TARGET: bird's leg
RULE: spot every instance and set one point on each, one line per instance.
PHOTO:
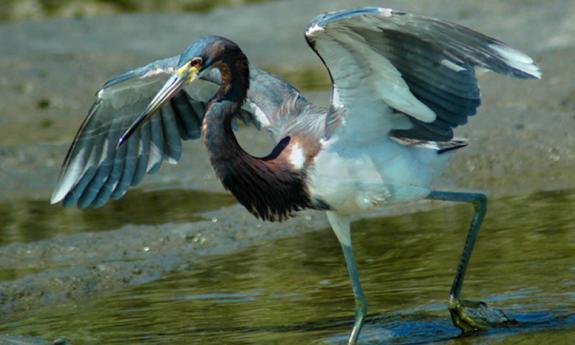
(469, 316)
(341, 226)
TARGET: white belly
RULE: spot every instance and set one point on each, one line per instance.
(355, 177)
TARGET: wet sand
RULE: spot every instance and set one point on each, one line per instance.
(521, 139)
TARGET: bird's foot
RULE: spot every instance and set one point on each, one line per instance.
(470, 316)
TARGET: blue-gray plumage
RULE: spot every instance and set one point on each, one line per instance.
(400, 84)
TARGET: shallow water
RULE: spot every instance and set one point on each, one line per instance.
(33, 220)
(295, 290)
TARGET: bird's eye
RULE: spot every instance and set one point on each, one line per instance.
(195, 62)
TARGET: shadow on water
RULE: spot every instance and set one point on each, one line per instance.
(295, 290)
(33, 220)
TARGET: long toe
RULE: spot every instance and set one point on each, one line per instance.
(470, 316)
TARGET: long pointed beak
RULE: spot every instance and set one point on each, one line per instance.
(170, 88)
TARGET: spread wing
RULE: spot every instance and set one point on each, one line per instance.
(418, 66)
(95, 169)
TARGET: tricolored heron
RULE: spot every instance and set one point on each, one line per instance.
(400, 84)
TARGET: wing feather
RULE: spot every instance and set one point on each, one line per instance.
(143, 155)
(171, 134)
(420, 66)
(96, 170)
(190, 114)
(129, 168)
(114, 175)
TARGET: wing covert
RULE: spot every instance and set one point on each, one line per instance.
(419, 66)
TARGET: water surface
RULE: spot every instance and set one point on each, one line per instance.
(295, 290)
(32, 220)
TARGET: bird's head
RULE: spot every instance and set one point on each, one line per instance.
(198, 58)
(209, 51)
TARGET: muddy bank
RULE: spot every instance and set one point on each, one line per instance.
(521, 140)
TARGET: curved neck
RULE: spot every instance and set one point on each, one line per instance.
(235, 79)
(217, 132)
(269, 188)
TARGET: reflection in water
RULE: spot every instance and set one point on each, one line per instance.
(295, 290)
(32, 220)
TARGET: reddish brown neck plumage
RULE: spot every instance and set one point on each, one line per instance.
(268, 187)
